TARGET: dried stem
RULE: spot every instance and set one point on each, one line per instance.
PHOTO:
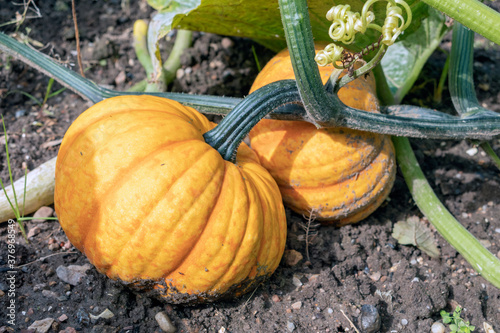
(77, 36)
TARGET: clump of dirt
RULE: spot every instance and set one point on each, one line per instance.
(347, 268)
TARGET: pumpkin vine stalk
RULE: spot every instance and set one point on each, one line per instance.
(231, 131)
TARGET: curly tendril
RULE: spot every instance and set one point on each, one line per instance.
(329, 55)
(394, 23)
(346, 24)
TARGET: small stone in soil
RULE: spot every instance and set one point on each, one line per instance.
(292, 257)
(42, 326)
(369, 319)
(33, 232)
(290, 326)
(297, 305)
(72, 274)
(165, 323)
(276, 298)
(54, 247)
(41, 213)
(82, 317)
(437, 327)
(62, 318)
(50, 294)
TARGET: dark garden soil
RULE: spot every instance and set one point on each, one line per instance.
(348, 267)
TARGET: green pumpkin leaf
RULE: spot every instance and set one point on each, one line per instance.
(404, 60)
(415, 232)
(260, 19)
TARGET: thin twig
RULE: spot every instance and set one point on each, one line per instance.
(43, 258)
(310, 232)
(249, 298)
(77, 36)
(350, 322)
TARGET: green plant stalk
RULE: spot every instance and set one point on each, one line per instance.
(183, 40)
(16, 208)
(473, 14)
(419, 64)
(438, 93)
(326, 110)
(229, 133)
(452, 231)
(256, 58)
(47, 91)
(383, 90)
(140, 46)
(491, 153)
(138, 87)
(418, 125)
(463, 94)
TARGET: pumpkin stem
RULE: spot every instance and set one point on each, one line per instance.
(230, 132)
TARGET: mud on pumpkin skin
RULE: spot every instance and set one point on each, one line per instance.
(339, 174)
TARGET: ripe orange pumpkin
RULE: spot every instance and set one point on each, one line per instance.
(151, 204)
(338, 174)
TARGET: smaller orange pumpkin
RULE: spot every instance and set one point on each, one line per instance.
(340, 175)
(150, 203)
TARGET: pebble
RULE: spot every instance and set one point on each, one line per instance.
(330, 310)
(33, 232)
(404, 322)
(227, 43)
(297, 305)
(82, 317)
(472, 151)
(296, 281)
(20, 113)
(106, 314)
(68, 330)
(54, 247)
(39, 286)
(62, 318)
(369, 319)
(276, 299)
(42, 326)
(165, 323)
(42, 212)
(437, 327)
(50, 294)
(292, 257)
(290, 326)
(72, 274)
(179, 74)
(120, 78)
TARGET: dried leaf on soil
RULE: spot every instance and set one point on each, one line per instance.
(415, 232)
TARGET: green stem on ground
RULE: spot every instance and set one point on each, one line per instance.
(452, 231)
(473, 14)
(419, 122)
(484, 262)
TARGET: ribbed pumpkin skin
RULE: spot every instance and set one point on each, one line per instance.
(151, 204)
(339, 174)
